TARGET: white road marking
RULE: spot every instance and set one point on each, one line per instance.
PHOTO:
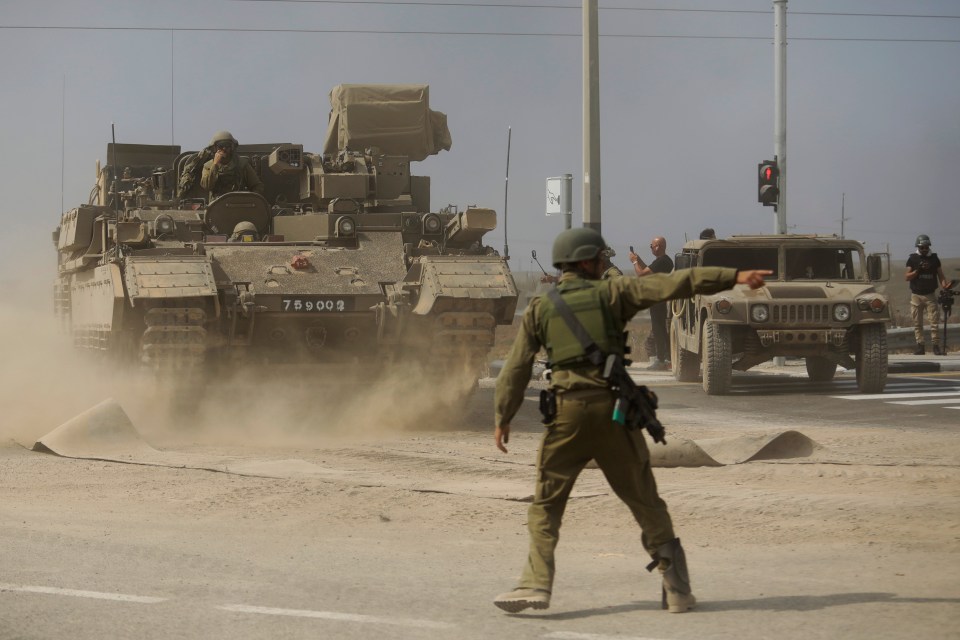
(99, 595)
(891, 396)
(918, 402)
(570, 635)
(334, 615)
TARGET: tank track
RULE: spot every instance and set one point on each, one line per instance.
(175, 338)
(459, 334)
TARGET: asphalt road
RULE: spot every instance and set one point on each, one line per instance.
(96, 550)
(931, 399)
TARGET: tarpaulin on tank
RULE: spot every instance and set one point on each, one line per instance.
(396, 118)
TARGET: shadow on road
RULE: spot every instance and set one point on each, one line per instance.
(773, 603)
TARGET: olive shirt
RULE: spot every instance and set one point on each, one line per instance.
(627, 296)
(235, 175)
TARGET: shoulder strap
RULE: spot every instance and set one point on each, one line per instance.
(590, 347)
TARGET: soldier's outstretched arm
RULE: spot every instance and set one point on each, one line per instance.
(754, 278)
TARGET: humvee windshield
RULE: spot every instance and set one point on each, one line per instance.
(822, 263)
(801, 263)
(743, 258)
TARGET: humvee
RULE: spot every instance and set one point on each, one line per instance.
(819, 304)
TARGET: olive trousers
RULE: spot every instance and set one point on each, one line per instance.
(582, 431)
(919, 302)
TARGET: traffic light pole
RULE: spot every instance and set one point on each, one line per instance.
(591, 116)
(780, 107)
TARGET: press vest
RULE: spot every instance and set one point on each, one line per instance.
(926, 267)
(588, 302)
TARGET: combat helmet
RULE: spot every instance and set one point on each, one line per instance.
(244, 228)
(574, 245)
(223, 136)
(923, 239)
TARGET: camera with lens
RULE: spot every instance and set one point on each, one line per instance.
(945, 297)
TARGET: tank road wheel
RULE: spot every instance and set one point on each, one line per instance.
(686, 364)
(872, 358)
(717, 371)
(820, 369)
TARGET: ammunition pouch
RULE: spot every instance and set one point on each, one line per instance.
(548, 405)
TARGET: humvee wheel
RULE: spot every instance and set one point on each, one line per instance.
(820, 369)
(686, 364)
(717, 372)
(872, 358)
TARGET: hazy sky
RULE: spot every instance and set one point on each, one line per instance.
(686, 102)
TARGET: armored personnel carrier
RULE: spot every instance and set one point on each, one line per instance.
(340, 261)
(820, 304)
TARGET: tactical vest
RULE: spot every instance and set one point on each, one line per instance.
(926, 281)
(231, 177)
(592, 310)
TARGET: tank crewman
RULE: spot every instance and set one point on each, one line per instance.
(708, 234)
(227, 171)
(583, 428)
(245, 232)
(924, 273)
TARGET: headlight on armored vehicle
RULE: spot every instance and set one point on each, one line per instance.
(345, 226)
(723, 305)
(432, 224)
(841, 312)
(759, 313)
(875, 304)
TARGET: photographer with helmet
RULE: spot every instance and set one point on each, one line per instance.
(924, 273)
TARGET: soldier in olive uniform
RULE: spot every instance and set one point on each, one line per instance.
(227, 171)
(583, 428)
(610, 270)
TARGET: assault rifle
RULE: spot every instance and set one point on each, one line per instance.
(636, 405)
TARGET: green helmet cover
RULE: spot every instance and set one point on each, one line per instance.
(923, 239)
(574, 245)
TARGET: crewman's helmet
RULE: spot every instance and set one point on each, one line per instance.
(574, 245)
(244, 232)
(221, 137)
(923, 240)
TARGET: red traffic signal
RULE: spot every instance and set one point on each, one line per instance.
(768, 188)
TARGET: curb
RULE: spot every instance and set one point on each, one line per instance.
(913, 367)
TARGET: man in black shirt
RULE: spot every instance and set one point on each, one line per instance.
(924, 273)
(658, 312)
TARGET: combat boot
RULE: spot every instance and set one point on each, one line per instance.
(937, 351)
(676, 594)
(522, 598)
(919, 351)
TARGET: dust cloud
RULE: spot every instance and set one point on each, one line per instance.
(45, 382)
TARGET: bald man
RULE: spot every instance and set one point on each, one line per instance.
(658, 312)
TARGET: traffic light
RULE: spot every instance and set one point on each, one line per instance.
(768, 190)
